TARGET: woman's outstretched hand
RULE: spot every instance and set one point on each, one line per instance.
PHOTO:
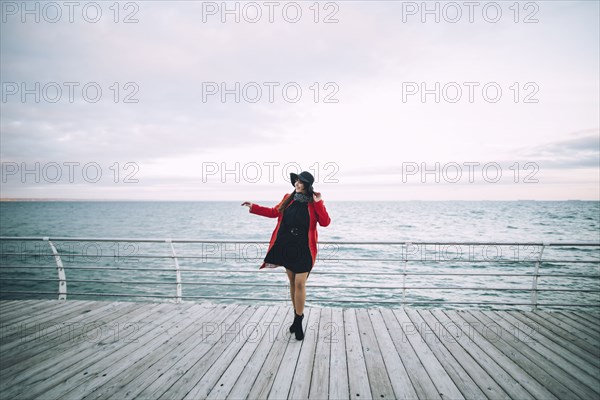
(316, 196)
(247, 204)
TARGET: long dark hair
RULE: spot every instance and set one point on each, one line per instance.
(309, 192)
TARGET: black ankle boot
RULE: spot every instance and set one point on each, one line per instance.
(298, 326)
(293, 325)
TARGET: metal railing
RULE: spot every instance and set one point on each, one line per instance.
(446, 258)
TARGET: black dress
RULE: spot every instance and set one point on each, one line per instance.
(291, 245)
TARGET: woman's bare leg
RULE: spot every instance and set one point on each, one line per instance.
(300, 292)
(291, 278)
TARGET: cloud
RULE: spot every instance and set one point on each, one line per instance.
(580, 149)
(164, 59)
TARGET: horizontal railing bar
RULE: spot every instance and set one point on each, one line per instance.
(90, 281)
(407, 302)
(528, 289)
(312, 286)
(432, 252)
(320, 300)
(250, 259)
(155, 240)
(313, 272)
(94, 294)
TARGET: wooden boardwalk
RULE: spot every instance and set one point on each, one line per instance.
(126, 350)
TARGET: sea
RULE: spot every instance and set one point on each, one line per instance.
(442, 254)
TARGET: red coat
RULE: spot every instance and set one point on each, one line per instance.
(316, 213)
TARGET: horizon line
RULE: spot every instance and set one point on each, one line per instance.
(58, 199)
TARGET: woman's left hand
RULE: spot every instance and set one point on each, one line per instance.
(316, 196)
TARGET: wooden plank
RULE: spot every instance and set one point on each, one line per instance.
(392, 346)
(580, 324)
(30, 331)
(557, 334)
(578, 368)
(591, 343)
(556, 367)
(400, 380)
(357, 369)
(211, 377)
(529, 331)
(338, 367)
(590, 317)
(73, 355)
(22, 307)
(266, 376)
(591, 322)
(235, 372)
(319, 385)
(17, 325)
(129, 359)
(580, 328)
(164, 374)
(38, 322)
(460, 377)
(285, 373)
(273, 333)
(146, 369)
(590, 314)
(592, 325)
(480, 368)
(541, 384)
(442, 381)
(45, 376)
(498, 366)
(379, 380)
(421, 381)
(43, 309)
(591, 329)
(8, 306)
(191, 376)
(47, 352)
(41, 343)
(13, 325)
(303, 373)
(41, 313)
(8, 303)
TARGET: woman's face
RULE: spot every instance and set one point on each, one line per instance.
(299, 186)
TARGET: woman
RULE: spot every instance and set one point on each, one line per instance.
(294, 241)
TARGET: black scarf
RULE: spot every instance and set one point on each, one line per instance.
(301, 197)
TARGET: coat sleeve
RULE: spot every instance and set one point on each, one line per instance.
(322, 215)
(266, 211)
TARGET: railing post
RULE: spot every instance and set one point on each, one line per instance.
(177, 272)
(62, 277)
(536, 275)
(407, 244)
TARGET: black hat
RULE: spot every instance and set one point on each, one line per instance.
(304, 176)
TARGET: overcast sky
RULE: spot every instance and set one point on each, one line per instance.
(377, 99)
